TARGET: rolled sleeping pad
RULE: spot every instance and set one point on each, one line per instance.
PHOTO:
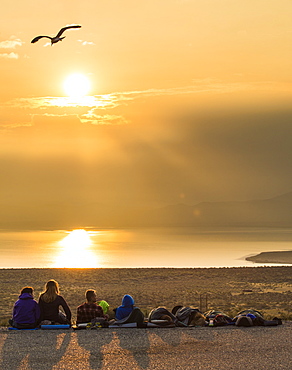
(64, 326)
(11, 328)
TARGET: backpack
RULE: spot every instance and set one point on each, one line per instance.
(97, 322)
(244, 321)
(162, 317)
(221, 320)
(255, 316)
(250, 311)
(187, 315)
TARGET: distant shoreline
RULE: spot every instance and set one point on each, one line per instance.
(257, 259)
(272, 257)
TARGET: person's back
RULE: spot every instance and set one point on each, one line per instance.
(126, 308)
(26, 311)
(50, 310)
(49, 303)
(128, 313)
(90, 309)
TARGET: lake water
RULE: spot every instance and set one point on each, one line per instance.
(160, 247)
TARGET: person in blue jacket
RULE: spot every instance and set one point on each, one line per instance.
(126, 308)
(26, 311)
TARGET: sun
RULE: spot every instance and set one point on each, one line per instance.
(76, 240)
(76, 251)
(76, 85)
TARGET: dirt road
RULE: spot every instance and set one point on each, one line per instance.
(159, 348)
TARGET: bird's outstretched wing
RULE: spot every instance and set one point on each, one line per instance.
(38, 38)
(66, 28)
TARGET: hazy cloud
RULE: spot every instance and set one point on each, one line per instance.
(198, 106)
(112, 100)
(11, 44)
(89, 108)
(85, 43)
(107, 119)
(97, 101)
(9, 55)
(89, 158)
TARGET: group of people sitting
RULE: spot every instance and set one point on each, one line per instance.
(29, 314)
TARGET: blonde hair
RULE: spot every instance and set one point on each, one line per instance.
(51, 291)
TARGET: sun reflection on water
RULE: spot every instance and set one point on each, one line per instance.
(76, 251)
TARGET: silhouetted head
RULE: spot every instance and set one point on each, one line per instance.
(27, 289)
(127, 300)
(90, 295)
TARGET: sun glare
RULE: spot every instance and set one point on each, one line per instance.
(76, 252)
(77, 85)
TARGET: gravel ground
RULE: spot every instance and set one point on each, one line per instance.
(158, 348)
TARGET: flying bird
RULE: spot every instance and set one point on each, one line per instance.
(57, 37)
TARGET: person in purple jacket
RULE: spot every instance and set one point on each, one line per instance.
(26, 311)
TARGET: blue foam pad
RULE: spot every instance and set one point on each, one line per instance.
(55, 326)
(11, 328)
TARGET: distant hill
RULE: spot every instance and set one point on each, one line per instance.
(272, 257)
(275, 212)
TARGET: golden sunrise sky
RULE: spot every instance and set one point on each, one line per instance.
(190, 101)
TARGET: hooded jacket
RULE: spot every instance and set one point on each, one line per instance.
(126, 308)
(26, 310)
